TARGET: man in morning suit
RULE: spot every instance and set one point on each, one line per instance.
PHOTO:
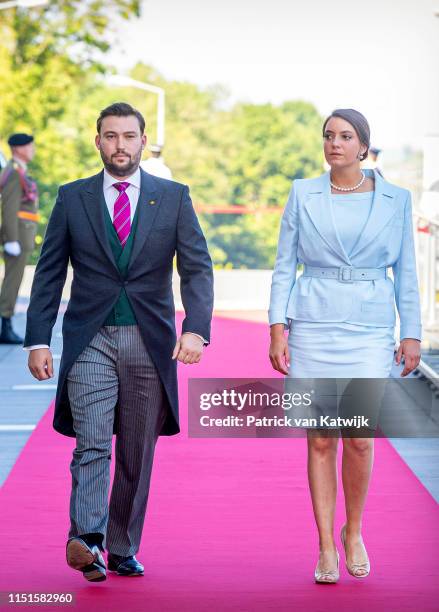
(120, 230)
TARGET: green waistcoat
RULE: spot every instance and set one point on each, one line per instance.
(122, 313)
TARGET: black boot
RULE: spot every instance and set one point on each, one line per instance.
(7, 335)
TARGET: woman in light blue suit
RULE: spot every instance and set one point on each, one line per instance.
(347, 227)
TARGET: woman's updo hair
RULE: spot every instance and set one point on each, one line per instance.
(358, 122)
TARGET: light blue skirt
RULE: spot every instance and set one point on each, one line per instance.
(340, 350)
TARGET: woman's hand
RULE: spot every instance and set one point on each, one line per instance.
(411, 350)
(279, 353)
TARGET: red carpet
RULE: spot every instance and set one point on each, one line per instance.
(229, 523)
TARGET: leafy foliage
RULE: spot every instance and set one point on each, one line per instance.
(53, 84)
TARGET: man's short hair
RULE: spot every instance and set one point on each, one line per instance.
(120, 109)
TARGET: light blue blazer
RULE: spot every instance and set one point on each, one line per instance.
(308, 235)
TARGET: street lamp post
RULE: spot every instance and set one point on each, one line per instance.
(124, 81)
(22, 4)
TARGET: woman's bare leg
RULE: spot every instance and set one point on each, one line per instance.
(356, 472)
(322, 478)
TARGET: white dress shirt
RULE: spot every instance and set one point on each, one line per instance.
(111, 194)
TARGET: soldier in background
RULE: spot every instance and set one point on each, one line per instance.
(156, 164)
(19, 206)
(372, 160)
(3, 161)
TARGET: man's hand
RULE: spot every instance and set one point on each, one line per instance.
(411, 350)
(279, 353)
(188, 349)
(40, 363)
(12, 248)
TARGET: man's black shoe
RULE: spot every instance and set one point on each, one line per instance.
(86, 558)
(7, 335)
(125, 566)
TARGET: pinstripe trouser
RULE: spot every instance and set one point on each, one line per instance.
(114, 369)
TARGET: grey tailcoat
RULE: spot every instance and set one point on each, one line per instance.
(167, 224)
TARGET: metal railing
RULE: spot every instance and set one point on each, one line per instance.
(427, 250)
(427, 243)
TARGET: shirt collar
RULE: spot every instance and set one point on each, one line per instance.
(133, 180)
(21, 163)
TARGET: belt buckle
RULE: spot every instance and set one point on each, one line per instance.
(345, 274)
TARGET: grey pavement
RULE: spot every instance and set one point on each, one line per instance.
(23, 399)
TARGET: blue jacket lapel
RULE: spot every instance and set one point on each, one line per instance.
(384, 206)
(319, 208)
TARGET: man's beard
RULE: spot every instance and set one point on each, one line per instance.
(126, 169)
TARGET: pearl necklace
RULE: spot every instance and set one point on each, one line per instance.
(350, 188)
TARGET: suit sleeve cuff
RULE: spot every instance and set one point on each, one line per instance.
(35, 346)
(411, 331)
(205, 342)
(277, 317)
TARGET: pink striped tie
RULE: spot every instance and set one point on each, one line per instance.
(122, 213)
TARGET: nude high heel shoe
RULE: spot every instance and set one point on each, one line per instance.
(353, 568)
(327, 576)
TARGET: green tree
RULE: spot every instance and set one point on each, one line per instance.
(50, 57)
(53, 83)
(246, 156)
(273, 145)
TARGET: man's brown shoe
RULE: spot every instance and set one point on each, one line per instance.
(87, 559)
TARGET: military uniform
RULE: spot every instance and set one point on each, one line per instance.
(155, 165)
(19, 207)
